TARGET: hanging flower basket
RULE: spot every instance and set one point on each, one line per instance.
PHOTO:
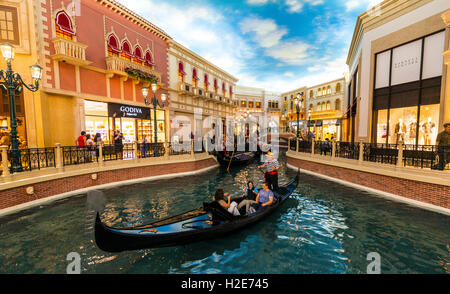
(140, 75)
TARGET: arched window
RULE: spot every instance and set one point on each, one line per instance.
(215, 86)
(338, 104)
(181, 72)
(64, 27)
(319, 107)
(329, 90)
(148, 59)
(328, 105)
(126, 50)
(324, 91)
(194, 77)
(319, 92)
(231, 92)
(206, 82)
(338, 87)
(138, 57)
(311, 94)
(113, 45)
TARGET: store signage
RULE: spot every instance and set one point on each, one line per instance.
(311, 123)
(406, 61)
(383, 63)
(131, 111)
(319, 123)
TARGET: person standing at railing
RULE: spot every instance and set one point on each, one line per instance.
(443, 146)
(144, 147)
(90, 148)
(97, 141)
(81, 141)
(118, 143)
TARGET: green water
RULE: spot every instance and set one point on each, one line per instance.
(323, 228)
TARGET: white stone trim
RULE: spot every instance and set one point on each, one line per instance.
(383, 194)
(47, 200)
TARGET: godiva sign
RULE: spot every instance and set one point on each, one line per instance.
(131, 111)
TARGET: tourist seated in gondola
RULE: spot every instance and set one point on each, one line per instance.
(264, 198)
(231, 207)
(251, 191)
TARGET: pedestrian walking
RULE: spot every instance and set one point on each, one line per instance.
(443, 147)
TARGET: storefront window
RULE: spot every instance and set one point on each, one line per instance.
(429, 120)
(382, 126)
(403, 125)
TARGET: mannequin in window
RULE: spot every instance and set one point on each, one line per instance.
(412, 131)
(400, 131)
(427, 130)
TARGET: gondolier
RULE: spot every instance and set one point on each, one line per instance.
(271, 175)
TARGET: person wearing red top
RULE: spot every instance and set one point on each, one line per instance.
(81, 141)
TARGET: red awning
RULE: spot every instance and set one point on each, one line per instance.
(113, 44)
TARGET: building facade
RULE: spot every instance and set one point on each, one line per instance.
(289, 111)
(96, 57)
(198, 90)
(325, 104)
(19, 28)
(398, 88)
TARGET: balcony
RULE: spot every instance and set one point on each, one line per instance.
(117, 65)
(185, 89)
(70, 51)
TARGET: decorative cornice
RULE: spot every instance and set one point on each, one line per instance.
(135, 18)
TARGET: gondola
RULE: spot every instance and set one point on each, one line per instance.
(206, 222)
(238, 158)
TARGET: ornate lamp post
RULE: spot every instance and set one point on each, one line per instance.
(13, 83)
(309, 119)
(155, 104)
(298, 102)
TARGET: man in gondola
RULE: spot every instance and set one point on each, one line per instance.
(271, 175)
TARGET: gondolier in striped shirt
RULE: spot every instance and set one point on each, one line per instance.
(271, 175)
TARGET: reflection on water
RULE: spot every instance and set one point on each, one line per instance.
(323, 228)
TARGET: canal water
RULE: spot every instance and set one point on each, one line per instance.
(323, 228)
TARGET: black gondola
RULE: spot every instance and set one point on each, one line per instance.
(207, 222)
(238, 158)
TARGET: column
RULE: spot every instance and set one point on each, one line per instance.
(400, 155)
(100, 154)
(58, 158)
(5, 168)
(445, 107)
(361, 152)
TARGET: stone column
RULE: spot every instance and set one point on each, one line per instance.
(5, 169)
(312, 146)
(296, 148)
(192, 148)
(333, 150)
(100, 155)
(445, 107)
(361, 152)
(400, 155)
(135, 152)
(58, 158)
(166, 150)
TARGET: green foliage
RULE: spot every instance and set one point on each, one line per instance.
(137, 74)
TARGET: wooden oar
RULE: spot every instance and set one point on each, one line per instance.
(229, 163)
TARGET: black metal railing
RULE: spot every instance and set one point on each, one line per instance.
(305, 146)
(73, 155)
(180, 148)
(323, 148)
(349, 150)
(427, 156)
(380, 153)
(146, 150)
(35, 158)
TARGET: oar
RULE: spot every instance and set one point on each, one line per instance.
(229, 163)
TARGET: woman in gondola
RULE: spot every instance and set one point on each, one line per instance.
(219, 197)
(251, 191)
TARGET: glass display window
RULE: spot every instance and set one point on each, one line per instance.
(428, 124)
(402, 125)
(382, 126)
(97, 124)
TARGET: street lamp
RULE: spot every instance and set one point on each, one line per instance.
(298, 103)
(309, 120)
(14, 84)
(155, 104)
